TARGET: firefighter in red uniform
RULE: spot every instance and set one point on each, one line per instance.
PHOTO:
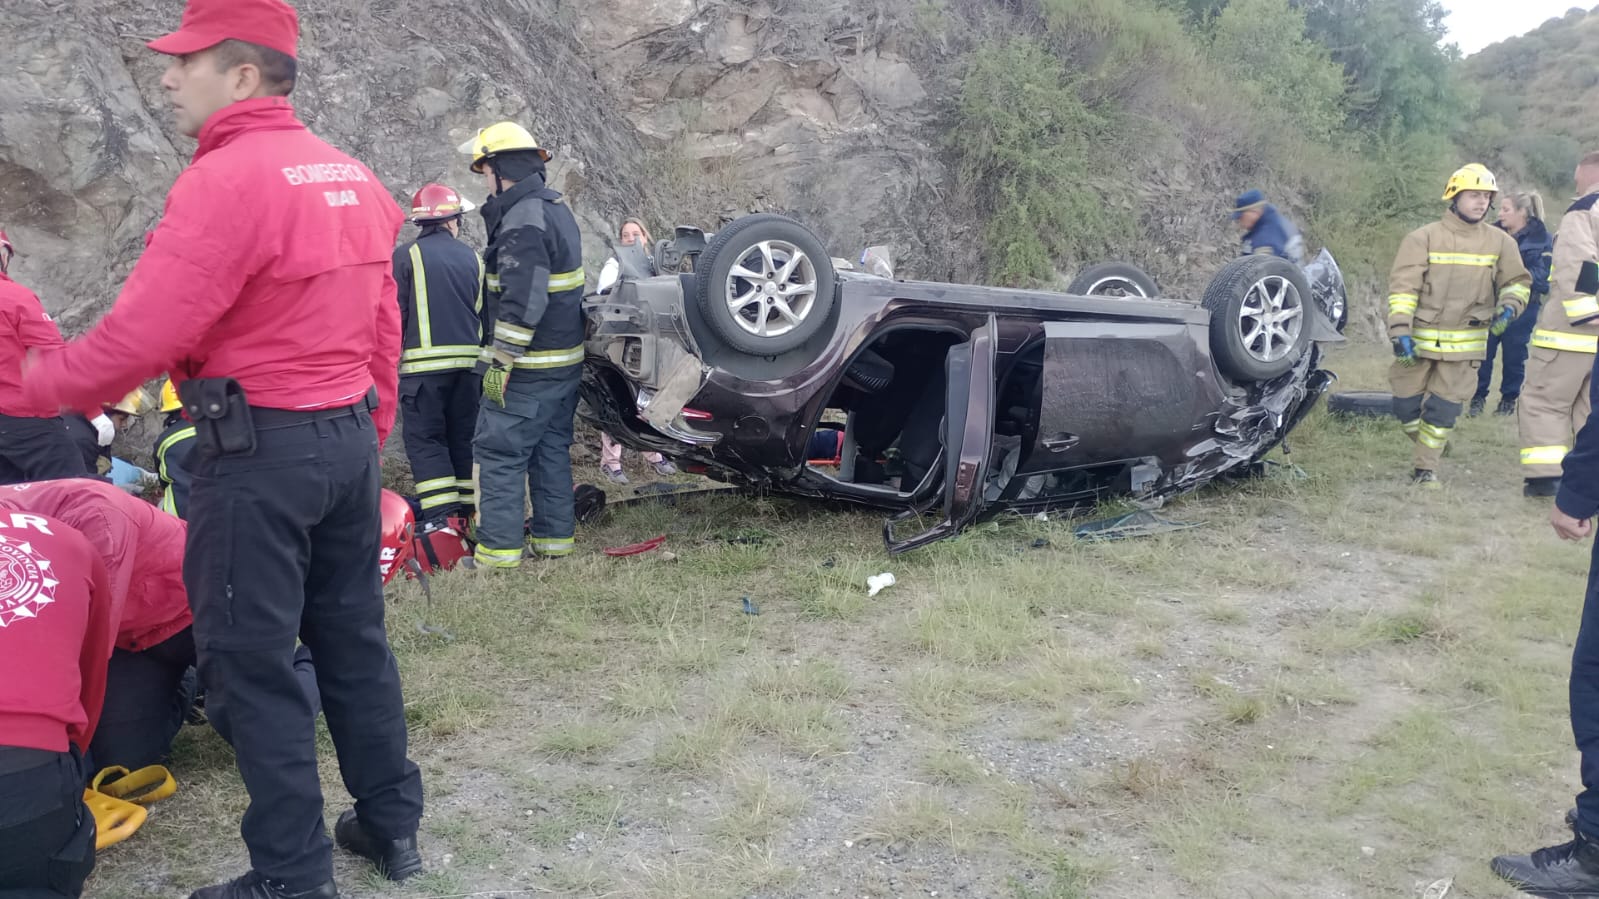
(32, 447)
(440, 282)
(281, 331)
(55, 635)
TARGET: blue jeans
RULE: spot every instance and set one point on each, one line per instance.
(1514, 342)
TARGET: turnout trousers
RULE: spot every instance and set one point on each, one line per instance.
(284, 543)
(525, 450)
(1553, 408)
(1428, 397)
(440, 416)
(38, 449)
(46, 832)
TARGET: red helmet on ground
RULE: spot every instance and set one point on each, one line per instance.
(436, 202)
(442, 545)
(6, 249)
(399, 534)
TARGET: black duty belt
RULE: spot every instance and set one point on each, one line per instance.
(14, 759)
(271, 419)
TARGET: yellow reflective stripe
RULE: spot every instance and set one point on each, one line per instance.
(1565, 341)
(1483, 260)
(427, 366)
(1519, 291)
(432, 484)
(551, 358)
(1438, 341)
(419, 290)
(169, 502)
(1543, 455)
(178, 436)
(566, 280)
(440, 499)
(470, 351)
(1581, 307)
(492, 279)
(552, 546)
(497, 558)
(465, 487)
(512, 333)
(1432, 435)
(1402, 304)
(1410, 427)
(482, 284)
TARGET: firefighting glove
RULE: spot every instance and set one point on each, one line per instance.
(104, 430)
(1405, 350)
(1502, 319)
(499, 371)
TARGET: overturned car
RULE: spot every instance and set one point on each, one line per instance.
(772, 364)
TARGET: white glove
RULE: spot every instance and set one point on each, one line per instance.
(104, 429)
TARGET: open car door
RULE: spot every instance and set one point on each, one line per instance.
(968, 437)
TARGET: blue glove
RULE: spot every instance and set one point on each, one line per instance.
(1405, 350)
(1502, 319)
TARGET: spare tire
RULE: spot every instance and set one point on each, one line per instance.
(1361, 403)
(765, 285)
(1257, 309)
(1113, 279)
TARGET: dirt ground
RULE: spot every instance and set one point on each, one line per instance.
(1338, 686)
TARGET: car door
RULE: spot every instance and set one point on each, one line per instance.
(1114, 391)
(968, 436)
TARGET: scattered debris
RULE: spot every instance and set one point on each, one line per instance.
(636, 548)
(750, 608)
(1438, 889)
(1040, 543)
(1368, 852)
(877, 583)
(668, 556)
(829, 562)
(1134, 524)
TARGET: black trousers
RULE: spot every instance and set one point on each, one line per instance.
(284, 543)
(46, 832)
(440, 417)
(38, 449)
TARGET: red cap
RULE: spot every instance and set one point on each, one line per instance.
(206, 23)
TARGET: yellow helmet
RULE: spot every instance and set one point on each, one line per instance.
(169, 398)
(1474, 176)
(132, 404)
(500, 137)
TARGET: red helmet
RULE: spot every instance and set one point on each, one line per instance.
(440, 546)
(6, 249)
(399, 534)
(435, 202)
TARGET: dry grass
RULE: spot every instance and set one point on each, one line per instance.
(1331, 663)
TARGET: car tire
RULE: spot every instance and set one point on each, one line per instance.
(1361, 403)
(1258, 308)
(1114, 279)
(751, 284)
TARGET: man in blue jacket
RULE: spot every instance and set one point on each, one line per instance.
(1572, 869)
(1265, 229)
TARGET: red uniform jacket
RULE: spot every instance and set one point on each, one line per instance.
(23, 326)
(55, 634)
(142, 548)
(271, 265)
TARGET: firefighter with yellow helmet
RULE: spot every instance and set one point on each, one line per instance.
(1560, 365)
(1453, 282)
(172, 452)
(533, 359)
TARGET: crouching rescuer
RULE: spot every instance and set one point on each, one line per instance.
(1442, 293)
(533, 362)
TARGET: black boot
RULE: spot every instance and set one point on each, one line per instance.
(1541, 487)
(1507, 406)
(254, 886)
(1475, 409)
(1567, 871)
(395, 859)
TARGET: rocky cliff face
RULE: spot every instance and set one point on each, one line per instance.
(688, 111)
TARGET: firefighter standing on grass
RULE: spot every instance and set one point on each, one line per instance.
(533, 362)
(267, 291)
(441, 302)
(1442, 292)
(1555, 404)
